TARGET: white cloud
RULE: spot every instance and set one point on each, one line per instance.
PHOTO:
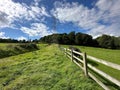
(102, 19)
(2, 35)
(36, 2)
(110, 8)
(37, 29)
(21, 38)
(12, 11)
(3, 20)
(104, 4)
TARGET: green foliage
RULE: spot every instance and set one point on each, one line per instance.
(110, 42)
(69, 39)
(12, 41)
(29, 46)
(71, 36)
(14, 49)
(65, 39)
(45, 69)
(8, 40)
(104, 41)
(116, 42)
(78, 39)
(83, 39)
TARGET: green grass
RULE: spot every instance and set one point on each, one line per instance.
(10, 49)
(45, 69)
(105, 54)
(4, 46)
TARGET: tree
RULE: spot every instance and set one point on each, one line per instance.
(35, 41)
(60, 39)
(87, 40)
(78, 39)
(71, 36)
(83, 39)
(65, 39)
(106, 41)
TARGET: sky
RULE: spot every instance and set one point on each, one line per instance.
(33, 19)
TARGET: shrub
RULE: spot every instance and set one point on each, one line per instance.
(11, 50)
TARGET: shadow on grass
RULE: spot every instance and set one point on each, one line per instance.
(92, 62)
(105, 81)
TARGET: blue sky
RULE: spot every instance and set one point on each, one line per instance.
(23, 19)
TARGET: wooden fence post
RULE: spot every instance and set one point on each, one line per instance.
(85, 64)
(71, 54)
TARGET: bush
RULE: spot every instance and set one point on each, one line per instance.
(29, 46)
(11, 50)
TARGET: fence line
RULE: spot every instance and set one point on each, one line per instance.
(85, 65)
(113, 65)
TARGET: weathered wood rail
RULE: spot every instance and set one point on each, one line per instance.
(85, 65)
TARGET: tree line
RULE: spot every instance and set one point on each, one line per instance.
(17, 41)
(12, 41)
(72, 38)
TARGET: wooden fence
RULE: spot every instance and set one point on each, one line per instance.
(84, 65)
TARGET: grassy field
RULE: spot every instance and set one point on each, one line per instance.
(105, 54)
(44, 69)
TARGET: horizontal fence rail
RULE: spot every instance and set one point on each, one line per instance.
(84, 65)
(112, 65)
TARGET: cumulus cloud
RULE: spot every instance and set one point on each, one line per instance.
(2, 35)
(21, 38)
(110, 10)
(3, 20)
(104, 18)
(11, 11)
(37, 29)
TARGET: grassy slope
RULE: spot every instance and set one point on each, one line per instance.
(3, 45)
(10, 49)
(105, 54)
(45, 69)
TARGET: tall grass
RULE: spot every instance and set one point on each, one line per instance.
(45, 69)
(15, 49)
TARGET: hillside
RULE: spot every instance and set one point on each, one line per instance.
(10, 49)
(106, 55)
(45, 69)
